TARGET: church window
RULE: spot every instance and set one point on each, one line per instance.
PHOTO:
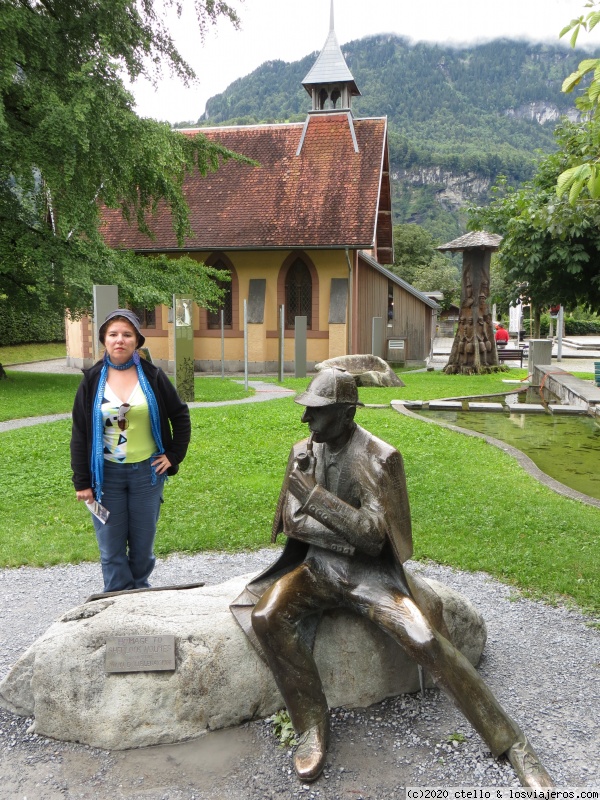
(146, 316)
(298, 294)
(213, 318)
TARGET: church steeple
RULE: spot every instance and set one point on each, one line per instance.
(330, 82)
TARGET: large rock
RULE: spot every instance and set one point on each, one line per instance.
(368, 370)
(219, 679)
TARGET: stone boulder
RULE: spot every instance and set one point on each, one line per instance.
(219, 680)
(368, 370)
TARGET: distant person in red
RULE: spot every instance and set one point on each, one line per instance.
(502, 336)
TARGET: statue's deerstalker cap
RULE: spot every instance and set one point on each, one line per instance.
(331, 386)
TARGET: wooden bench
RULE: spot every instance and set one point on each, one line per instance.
(510, 354)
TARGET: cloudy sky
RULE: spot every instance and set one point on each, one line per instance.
(290, 29)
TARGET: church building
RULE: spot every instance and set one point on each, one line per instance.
(309, 228)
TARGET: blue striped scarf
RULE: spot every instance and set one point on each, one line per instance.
(97, 460)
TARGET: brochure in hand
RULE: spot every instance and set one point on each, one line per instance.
(98, 511)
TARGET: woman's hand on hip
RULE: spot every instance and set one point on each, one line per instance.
(161, 464)
(87, 495)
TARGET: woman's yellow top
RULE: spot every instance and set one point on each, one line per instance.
(135, 443)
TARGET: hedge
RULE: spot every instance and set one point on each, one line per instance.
(20, 327)
(573, 327)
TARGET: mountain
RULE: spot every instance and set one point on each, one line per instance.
(458, 116)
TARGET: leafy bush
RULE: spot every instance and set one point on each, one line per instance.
(573, 326)
(19, 327)
(581, 327)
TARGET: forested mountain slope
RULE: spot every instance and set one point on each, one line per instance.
(457, 117)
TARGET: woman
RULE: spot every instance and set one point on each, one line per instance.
(130, 430)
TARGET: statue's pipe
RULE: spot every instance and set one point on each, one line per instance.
(304, 459)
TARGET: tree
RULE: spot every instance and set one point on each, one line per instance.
(417, 261)
(70, 143)
(550, 244)
(584, 174)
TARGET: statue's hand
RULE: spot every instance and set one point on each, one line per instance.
(301, 483)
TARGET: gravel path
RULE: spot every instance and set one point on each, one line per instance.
(541, 662)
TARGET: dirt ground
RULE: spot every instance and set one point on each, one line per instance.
(374, 754)
(541, 662)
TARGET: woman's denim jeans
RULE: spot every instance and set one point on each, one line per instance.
(126, 542)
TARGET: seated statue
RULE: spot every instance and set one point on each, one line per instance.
(344, 510)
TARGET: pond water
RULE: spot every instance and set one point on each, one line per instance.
(565, 447)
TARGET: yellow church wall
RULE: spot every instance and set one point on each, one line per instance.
(263, 341)
(78, 337)
(338, 340)
(324, 341)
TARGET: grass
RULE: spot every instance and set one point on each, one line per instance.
(586, 376)
(34, 394)
(429, 386)
(225, 494)
(26, 353)
(31, 394)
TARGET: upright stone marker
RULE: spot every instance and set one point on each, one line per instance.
(106, 299)
(281, 342)
(540, 352)
(184, 347)
(377, 337)
(300, 347)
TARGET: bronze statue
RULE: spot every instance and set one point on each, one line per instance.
(344, 508)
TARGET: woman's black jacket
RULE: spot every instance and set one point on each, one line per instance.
(175, 426)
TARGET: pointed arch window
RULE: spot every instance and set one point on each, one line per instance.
(213, 318)
(298, 294)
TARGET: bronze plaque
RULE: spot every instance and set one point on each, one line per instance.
(140, 653)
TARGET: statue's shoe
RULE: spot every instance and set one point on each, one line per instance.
(310, 755)
(527, 765)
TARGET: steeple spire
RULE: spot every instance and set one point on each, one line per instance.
(330, 83)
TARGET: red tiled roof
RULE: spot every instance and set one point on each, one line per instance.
(328, 196)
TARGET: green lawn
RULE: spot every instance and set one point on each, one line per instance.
(26, 353)
(423, 385)
(225, 494)
(31, 394)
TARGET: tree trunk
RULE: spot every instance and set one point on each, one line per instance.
(537, 319)
(474, 347)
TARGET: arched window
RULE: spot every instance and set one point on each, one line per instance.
(335, 96)
(323, 99)
(213, 318)
(146, 316)
(298, 294)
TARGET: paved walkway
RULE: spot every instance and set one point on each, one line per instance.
(576, 356)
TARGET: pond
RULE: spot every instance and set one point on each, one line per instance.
(565, 447)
